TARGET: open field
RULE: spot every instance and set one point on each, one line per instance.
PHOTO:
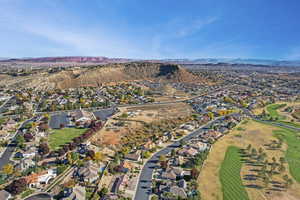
(230, 178)
(131, 120)
(258, 135)
(62, 136)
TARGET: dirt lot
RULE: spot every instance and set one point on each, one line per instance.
(136, 117)
(257, 135)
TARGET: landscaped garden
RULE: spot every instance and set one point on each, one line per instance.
(60, 137)
(232, 186)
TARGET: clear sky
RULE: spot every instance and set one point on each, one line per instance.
(268, 29)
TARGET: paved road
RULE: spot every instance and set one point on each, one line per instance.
(279, 124)
(5, 158)
(249, 114)
(3, 106)
(40, 196)
(143, 191)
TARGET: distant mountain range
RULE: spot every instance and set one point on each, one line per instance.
(71, 59)
(236, 61)
(105, 60)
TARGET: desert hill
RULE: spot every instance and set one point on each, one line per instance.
(111, 73)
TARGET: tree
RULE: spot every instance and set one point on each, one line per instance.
(253, 153)
(173, 152)
(289, 182)
(260, 150)
(28, 137)
(8, 169)
(17, 186)
(282, 160)
(70, 159)
(266, 181)
(182, 143)
(281, 168)
(103, 192)
(61, 152)
(194, 173)
(164, 164)
(43, 127)
(249, 148)
(20, 140)
(44, 148)
(90, 154)
(285, 177)
(98, 157)
(146, 154)
(70, 184)
(154, 197)
(210, 115)
(162, 158)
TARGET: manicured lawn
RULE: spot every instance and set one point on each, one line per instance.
(229, 174)
(272, 110)
(62, 136)
(292, 155)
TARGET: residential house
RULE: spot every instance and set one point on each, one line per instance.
(89, 172)
(187, 151)
(10, 125)
(82, 117)
(76, 193)
(37, 180)
(182, 184)
(135, 156)
(169, 174)
(177, 191)
(26, 163)
(149, 145)
(200, 146)
(178, 160)
(30, 152)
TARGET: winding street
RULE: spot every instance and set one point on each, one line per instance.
(143, 190)
(5, 158)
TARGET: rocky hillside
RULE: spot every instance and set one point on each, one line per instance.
(122, 72)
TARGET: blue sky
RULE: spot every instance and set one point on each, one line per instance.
(263, 29)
